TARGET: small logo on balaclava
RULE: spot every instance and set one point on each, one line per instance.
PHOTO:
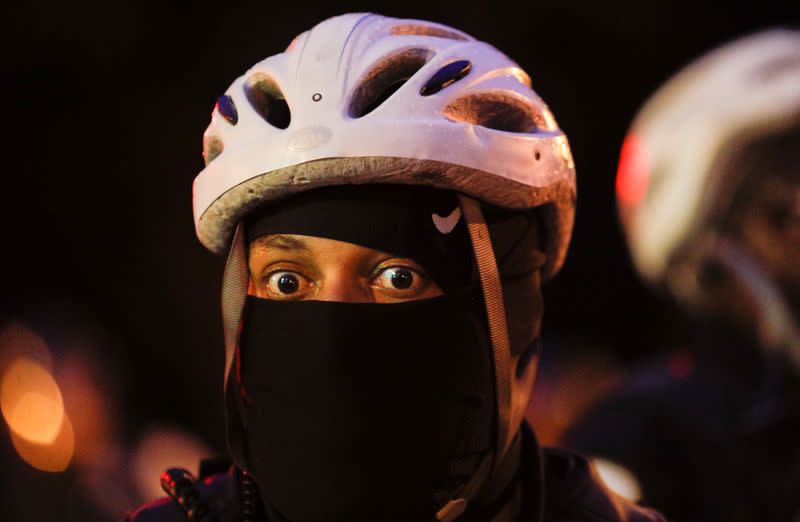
(445, 225)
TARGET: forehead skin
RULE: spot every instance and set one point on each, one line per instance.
(280, 242)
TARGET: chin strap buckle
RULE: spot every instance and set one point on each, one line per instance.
(452, 510)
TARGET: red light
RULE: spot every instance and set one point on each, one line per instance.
(633, 174)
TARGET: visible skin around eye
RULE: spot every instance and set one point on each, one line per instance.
(290, 267)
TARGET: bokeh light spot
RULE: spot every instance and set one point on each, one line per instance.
(618, 479)
(54, 456)
(633, 174)
(31, 402)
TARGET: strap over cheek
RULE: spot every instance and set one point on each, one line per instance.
(235, 281)
(492, 464)
(234, 292)
(496, 315)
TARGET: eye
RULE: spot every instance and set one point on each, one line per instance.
(287, 285)
(399, 278)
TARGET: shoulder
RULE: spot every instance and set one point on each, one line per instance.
(574, 493)
(217, 492)
(666, 398)
(661, 404)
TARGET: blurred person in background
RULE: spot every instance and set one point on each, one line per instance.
(709, 196)
(390, 193)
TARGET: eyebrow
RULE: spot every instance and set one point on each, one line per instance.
(282, 242)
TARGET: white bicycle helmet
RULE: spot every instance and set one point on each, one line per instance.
(363, 98)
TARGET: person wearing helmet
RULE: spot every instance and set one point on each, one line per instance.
(390, 194)
(709, 197)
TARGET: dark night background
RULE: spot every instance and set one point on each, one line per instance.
(104, 109)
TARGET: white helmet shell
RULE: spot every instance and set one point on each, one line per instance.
(670, 175)
(363, 98)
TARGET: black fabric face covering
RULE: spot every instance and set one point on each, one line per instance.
(358, 412)
(365, 412)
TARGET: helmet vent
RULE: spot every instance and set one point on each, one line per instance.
(212, 147)
(385, 79)
(446, 76)
(496, 111)
(267, 99)
(227, 109)
(425, 30)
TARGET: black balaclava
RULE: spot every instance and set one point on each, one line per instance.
(361, 411)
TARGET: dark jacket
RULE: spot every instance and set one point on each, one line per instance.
(710, 431)
(568, 492)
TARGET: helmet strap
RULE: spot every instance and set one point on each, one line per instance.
(489, 275)
(234, 291)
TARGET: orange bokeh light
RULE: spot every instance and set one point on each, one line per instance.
(54, 456)
(31, 402)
